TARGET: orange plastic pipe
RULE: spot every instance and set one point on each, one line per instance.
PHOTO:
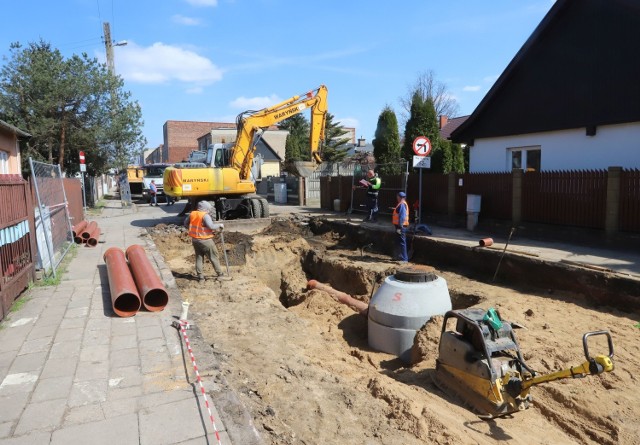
(94, 237)
(486, 242)
(78, 228)
(154, 295)
(125, 299)
(88, 230)
(359, 306)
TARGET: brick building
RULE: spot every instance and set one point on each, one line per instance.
(155, 157)
(181, 137)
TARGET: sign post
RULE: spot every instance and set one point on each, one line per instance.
(83, 168)
(422, 148)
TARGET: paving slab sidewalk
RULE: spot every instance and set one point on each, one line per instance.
(71, 372)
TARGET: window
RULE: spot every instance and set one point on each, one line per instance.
(516, 159)
(533, 160)
(4, 162)
(528, 158)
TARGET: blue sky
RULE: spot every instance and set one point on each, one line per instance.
(208, 60)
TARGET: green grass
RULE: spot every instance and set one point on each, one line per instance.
(637, 325)
(97, 209)
(19, 303)
(62, 268)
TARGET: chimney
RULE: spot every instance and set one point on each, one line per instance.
(362, 142)
(443, 121)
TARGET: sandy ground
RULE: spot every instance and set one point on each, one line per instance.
(301, 364)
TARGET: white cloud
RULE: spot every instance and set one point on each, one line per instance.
(160, 63)
(202, 2)
(471, 88)
(194, 90)
(492, 78)
(254, 103)
(183, 20)
(348, 122)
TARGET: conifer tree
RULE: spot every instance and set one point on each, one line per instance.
(386, 144)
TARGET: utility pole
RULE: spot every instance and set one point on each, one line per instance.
(108, 45)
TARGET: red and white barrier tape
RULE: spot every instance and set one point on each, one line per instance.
(183, 323)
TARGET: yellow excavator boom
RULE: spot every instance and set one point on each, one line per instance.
(251, 122)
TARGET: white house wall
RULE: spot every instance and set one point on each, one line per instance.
(613, 145)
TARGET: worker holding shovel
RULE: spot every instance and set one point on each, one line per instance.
(202, 230)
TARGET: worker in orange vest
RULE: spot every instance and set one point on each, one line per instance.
(202, 230)
(400, 219)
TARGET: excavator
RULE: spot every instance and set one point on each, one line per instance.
(225, 177)
(480, 363)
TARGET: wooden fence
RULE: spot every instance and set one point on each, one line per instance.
(17, 239)
(629, 201)
(496, 190)
(606, 199)
(569, 198)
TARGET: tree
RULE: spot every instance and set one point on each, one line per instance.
(421, 123)
(386, 144)
(428, 87)
(69, 105)
(335, 145)
(459, 165)
(297, 145)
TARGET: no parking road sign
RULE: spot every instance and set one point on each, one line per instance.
(422, 146)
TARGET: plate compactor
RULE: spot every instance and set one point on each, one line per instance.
(480, 362)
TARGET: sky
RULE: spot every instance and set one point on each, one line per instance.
(208, 60)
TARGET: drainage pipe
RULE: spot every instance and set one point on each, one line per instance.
(359, 306)
(88, 230)
(125, 299)
(154, 295)
(94, 237)
(78, 228)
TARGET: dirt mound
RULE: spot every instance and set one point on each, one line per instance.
(425, 344)
(287, 227)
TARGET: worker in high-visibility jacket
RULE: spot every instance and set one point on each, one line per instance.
(202, 230)
(400, 219)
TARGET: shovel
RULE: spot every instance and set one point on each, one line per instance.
(224, 251)
(513, 229)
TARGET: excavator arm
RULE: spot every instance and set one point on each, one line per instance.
(250, 122)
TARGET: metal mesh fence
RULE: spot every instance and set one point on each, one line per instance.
(394, 181)
(53, 225)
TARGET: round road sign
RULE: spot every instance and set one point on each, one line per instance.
(422, 146)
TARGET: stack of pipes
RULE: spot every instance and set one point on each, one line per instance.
(87, 233)
(133, 284)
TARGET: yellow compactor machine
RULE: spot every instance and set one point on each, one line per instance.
(479, 362)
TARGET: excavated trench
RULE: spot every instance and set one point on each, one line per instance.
(300, 361)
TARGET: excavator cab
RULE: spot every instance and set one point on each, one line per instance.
(220, 153)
